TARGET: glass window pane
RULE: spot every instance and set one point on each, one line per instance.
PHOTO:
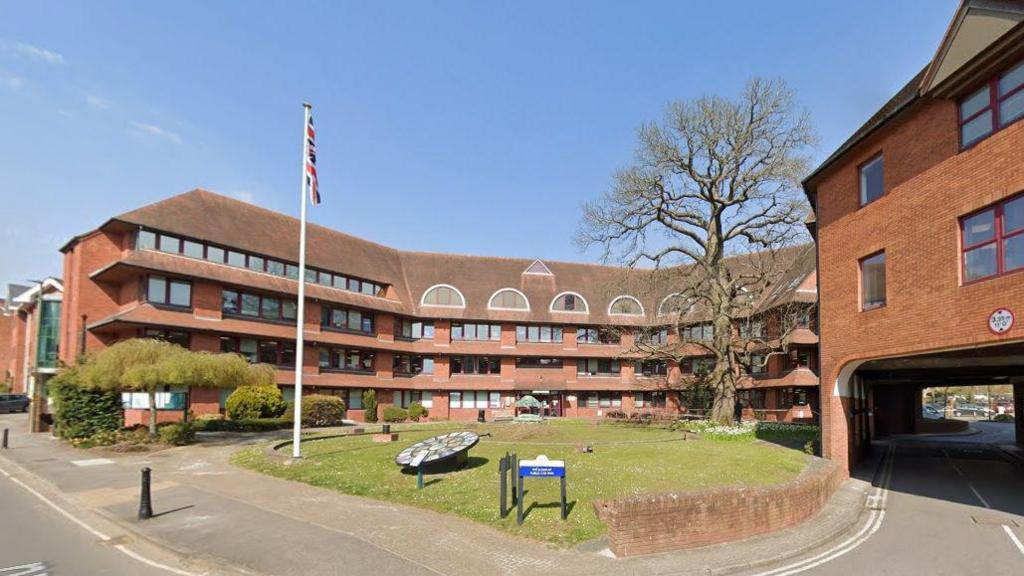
(496, 332)
(873, 281)
(291, 271)
(256, 263)
(428, 330)
(170, 244)
(980, 262)
(236, 259)
(145, 240)
(276, 268)
(157, 290)
(871, 185)
(353, 284)
(1013, 253)
(1013, 215)
(428, 366)
(980, 228)
(229, 301)
(268, 352)
(975, 103)
(247, 347)
(355, 399)
(368, 289)
(455, 399)
(271, 308)
(325, 279)
(250, 304)
(340, 282)
(520, 333)
(1011, 79)
(367, 323)
(311, 276)
(288, 309)
(193, 249)
(214, 254)
(1012, 108)
(556, 334)
(181, 294)
(355, 320)
(976, 129)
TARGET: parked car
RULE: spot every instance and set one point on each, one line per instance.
(931, 413)
(14, 403)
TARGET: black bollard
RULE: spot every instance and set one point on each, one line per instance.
(519, 498)
(145, 502)
(565, 506)
(514, 464)
(5, 439)
(502, 489)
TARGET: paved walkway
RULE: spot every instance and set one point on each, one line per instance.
(211, 512)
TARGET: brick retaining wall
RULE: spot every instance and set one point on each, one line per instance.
(662, 522)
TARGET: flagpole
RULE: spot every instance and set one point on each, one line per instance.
(301, 312)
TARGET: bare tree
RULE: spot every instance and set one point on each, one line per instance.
(713, 200)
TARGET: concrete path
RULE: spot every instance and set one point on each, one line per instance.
(208, 510)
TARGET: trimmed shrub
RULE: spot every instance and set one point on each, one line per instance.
(254, 425)
(177, 434)
(370, 405)
(417, 411)
(1003, 418)
(322, 410)
(395, 414)
(83, 412)
(249, 402)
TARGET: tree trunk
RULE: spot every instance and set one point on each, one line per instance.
(152, 414)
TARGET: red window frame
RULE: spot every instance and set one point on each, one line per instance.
(999, 237)
(994, 100)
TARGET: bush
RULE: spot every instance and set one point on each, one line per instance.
(395, 414)
(1003, 418)
(417, 411)
(249, 402)
(253, 425)
(178, 434)
(322, 410)
(370, 405)
(83, 412)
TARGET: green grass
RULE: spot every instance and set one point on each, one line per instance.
(626, 460)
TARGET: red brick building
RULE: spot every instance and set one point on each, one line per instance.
(456, 333)
(920, 234)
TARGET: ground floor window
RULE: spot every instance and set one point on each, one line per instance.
(175, 400)
(355, 399)
(604, 399)
(752, 399)
(425, 398)
(654, 399)
(474, 399)
(790, 397)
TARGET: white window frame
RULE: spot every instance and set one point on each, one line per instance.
(491, 306)
(626, 297)
(586, 305)
(423, 298)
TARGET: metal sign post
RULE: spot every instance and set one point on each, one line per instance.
(541, 467)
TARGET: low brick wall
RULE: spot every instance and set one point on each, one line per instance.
(662, 522)
(942, 426)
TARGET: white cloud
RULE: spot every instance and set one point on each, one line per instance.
(13, 82)
(245, 196)
(97, 102)
(155, 130)
(38, 53)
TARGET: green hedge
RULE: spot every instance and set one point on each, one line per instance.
(395, 414)
(322, 410)
(417, 411)
(177, 434)
(249, 425)
(83, 412)
(249, 402)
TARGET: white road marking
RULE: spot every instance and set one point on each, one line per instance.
(979, 496)
(120, 547)
(1013, 537)
(874, 523)
(93, 462)
(33, 569)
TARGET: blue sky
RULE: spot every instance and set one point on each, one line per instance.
(470, 127)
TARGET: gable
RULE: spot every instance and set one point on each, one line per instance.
(975, 27)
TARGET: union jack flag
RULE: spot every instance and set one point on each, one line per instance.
(311, 181)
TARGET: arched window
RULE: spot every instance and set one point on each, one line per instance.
(570, 302)
(443, 295)
(626, 305)
(508, 299)
(674, 304)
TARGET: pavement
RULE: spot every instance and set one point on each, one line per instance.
(213, 518)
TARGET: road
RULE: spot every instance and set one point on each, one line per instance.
(39, 540)
(953, 507)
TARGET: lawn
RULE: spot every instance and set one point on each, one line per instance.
(626, 460)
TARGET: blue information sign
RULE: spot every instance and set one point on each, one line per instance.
(545, 471)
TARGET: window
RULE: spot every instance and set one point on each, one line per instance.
(596, 336)
(414, 329)
(443, 295)
(604, 399)
(145, 240)
(793, 397)
(476, 331)
(800, 358)
(654, 337)
(346, 319)
(410, 365)
(751, 328)
(993, 240)
(508, 299)
(757, 364)
(538, 362)
(871, 181)
(698, 333)
(476, 365)
(699, 366)
(649, 399)
(355, 399)
(872, 281)
(996, 105)
(193, 249)
(752, 398)
(569, 302)
(650, 368)
(214, 254)
(172, 336)
(236, 259)
(164, 400)
(169, 244)
(257, 306)
(474, 399)
(348, 359)
(425, 398)
(674, 304)
(626, 305)
(538, 333)
(598, 367)
(170, 292)
(265, 351)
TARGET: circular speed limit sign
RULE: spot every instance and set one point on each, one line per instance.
(1000, 321)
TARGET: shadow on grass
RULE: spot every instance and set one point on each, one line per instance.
(568, 507)
(442, 468)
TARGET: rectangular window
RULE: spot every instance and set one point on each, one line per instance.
(289, 308)
(410, 365)
(276, 268)
(598, 367)
(270, 309)
(757, 364)
(871, 181)
(455, 399)
(161, 290)
(604, 399)
(145, 240)
(654, 399)
(993, 240)
(475, 365)
(347, 319)
(236, 259)
(291, 271)
(250, 305)
(698, 333)
(997, 104)
(538, 362)
(355, 399)
(193, 249)
(255, 263)
(650, 368)
(476, 331)
(414, 330)
(214, 254)
(543, 334)
(872, 281)
(169, 244)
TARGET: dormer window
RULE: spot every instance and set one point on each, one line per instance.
(996, 105)
(569, 302)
